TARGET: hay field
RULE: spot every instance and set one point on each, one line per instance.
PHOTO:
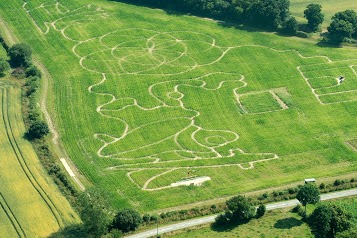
(30, 205)
(143, 99)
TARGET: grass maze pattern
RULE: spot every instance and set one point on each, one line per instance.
(177, 66)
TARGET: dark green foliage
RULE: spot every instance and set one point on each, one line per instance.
(20, 55)
(314, 16)
(261, 210)
(93, 208)
(290, 26)
(127, 220)
(328, 220)
(240, 208)
(261, 13)
(320, 220)
(4, 66)
(37, 130)
(343, 25)
(268, 13)
(33, 71)
(221, 219)
(308, 194)
(322, 186)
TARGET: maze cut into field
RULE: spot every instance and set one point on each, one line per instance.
(142, 101)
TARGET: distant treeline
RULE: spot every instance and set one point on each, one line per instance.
(260, 13)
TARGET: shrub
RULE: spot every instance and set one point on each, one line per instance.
(261, 210)
(20, 55)
(337, 182)
(322, 186)
(297, 209)
(33, 71)
(38, 130)
(4, 65)
(126, 220)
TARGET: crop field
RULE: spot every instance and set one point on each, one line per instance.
(29, 205)
(143, 99)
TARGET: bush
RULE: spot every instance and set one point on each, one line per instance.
(302, 34)
(38, 130)
(221, 219)
(126, 220)
(20, 55)
(337, 182)
(146, 218)
(33, 71)
(292, 190)
(297, 209)
(4, 66)
(322, 186)
(261, 210)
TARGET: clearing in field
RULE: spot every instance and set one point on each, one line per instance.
(144, 100)
(29, 206)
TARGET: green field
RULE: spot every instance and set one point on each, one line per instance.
(143, 99)
(329, 8)
(30, 205)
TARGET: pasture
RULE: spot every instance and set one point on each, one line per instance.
(30, 205)
(143, 99)
(329, 8)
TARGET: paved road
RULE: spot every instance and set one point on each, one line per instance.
(210, 219)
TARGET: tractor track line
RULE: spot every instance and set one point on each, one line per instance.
(11, 216)
(23, 164)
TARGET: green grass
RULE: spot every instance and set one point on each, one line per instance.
(136, 89)
(277, 223)
(329, 8)
(280, 223)
(30, 205)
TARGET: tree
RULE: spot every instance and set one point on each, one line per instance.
(339, 29)
(261, 210)
(38, 129)
(328, 220)
(20, 55)
(308, 194)
(314, 16)
(126, 220)
(267, 13)
(94, 211)
(240, 208)
(320, 220)
(4, 65)
(340, 220)
(290, 26)
(348, 16)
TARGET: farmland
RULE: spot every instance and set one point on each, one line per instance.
(30, 206)
(142, 99)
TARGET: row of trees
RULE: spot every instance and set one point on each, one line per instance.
(272, 14)
(261, 13)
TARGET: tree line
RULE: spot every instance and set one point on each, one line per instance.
(268, 14)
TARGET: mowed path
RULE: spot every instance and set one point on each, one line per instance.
(30, 206)
(210, 219)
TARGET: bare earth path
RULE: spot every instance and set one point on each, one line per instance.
(210, 219)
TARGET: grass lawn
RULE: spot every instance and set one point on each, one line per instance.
(280, 223)
(142, 99)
